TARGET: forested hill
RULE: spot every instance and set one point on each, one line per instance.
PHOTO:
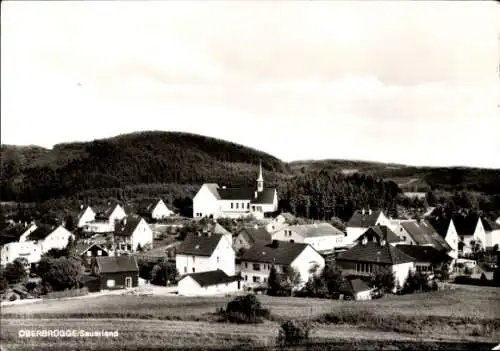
(37, 174)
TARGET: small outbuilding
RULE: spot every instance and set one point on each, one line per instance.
(208, 283)
(356, 289)
(117, 272)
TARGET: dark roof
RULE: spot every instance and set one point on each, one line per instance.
(382, 232)
(114, 264)
(315, 230)
(374, 253)
(41, 232)
(423, 253)
(490, 225)
(266, 196)
(278, 252)
(287, 215)
(13, 233)
(257, 234)
(424, 234)
(465, 225)
(127, 226)
(354, 286)
(212, 278)
(199, 244)
(360, 220)
(441, 225)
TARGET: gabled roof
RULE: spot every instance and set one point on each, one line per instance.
(82, 212)
(381, 232)
(41, 232)
(354, 286)
(278, 252)
(257, 234)
(360, 220)
(424, 253)
(199, 244)
(465, 225)
(441, 225)
(214, 189)
(13, 233)
(266, 196)
(490, 225)
(82, 247)
(104, 212)
(115, 264)
(212, 278)
(315, 230)
(424, 234)
(287, 216)
(127, 226)
(374, 253)
(147, 207)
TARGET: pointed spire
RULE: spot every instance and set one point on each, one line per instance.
(260, 179)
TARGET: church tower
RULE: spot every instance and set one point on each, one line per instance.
(260, 180)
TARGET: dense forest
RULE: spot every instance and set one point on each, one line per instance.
(172, 165)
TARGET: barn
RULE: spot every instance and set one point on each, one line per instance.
(117, 272)
(208, 283)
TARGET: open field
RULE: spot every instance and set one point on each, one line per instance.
(465, 314)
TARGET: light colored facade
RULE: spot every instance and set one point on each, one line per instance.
(32, 250)
(492, 238)
(331, 239)
(106, 225)
(256, 273)
(161, 211)
(10, 251)
(223, 258)
(187, 286)
(452, 239)
(279, 222)
(479, 236)
(354, 232)
(214, 201)
(87, 216)
(399, 230)
(142, 235)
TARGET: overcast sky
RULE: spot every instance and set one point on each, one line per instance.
(413, 83)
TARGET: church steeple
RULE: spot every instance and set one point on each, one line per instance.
(260, 180)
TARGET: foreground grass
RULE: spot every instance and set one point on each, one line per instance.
(469, 314)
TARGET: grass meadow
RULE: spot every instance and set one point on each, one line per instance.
(464, 314)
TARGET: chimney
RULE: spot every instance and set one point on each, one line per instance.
(275, 243)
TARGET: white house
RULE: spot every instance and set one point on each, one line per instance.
(214, 201)
(205, 251)
(42, 239)
(257, 261)
(208, 283)
(368, 256)
(105, 219)
(10, 240)
(322, 237)
(380, 233)
(86, 216)
(470, 230)
(280, 221)
(132, 232)
(361, 221)
(422, 233)
(155, 210)
(492, 233)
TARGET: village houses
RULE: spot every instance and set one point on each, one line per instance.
(373, 252)
(131, 234)
(280, 221)
(205, 251)
(116, 272)
(88, 250)
(13, 242)
(470, 231)
(257, 261)
(492, 230)
(214, 201)
(248, 237)
(427, 258)
(446, 229)
(361, 221)
(87, 215)
(105, 219)
(155, 210)
(323, 237)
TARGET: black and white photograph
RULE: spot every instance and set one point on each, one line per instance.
(250, 175)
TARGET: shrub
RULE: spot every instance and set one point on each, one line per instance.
(293, 332)
(13, 298)
(244, 310)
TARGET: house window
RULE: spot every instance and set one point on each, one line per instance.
(246, 265)
(265, 280)
(248, 205)
(237, 205)
(256, 267)
(246, 278)
(217, 259)
(193, 270)
(89, 253)
(256, 279)
(110, 283)
(242, 205)
(185, 269)
(241, 242)
(253, 208)
(194, 258)
(292, 241)
(231, 205)
(99, 253)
